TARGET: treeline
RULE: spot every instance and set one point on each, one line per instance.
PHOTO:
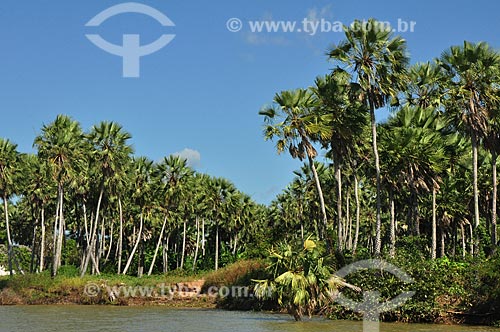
(424, 180)
(84, 199)
(425, 176)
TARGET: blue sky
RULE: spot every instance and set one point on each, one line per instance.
(203, 91)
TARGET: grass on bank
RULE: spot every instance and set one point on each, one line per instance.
(69, 287)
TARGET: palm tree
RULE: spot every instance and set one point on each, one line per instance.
(142, 184)
(415, 148)
(426, 85)
(110, 156)
(9, 176)
(492, 143)
(37, 189)
(378, 61)
(293, 123)
(343, 114)
(171, 177)
(59, 145)
(219, 193)
(473, 77)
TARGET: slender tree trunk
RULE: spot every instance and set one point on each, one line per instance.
(434, 224)
(494, 201)
(392, 252)
(42, 241)
(454, 238)
(120, 236)
(348, 220)
(54, 237)
(235, 244)
(33, 247)
(93, 238)
(442, 236)
(217, 247)
(165, 255)
(7, 226)
(57, 227)
(160, 239)
(139, 236)
(378, 225)
(140, 265)
(111, 231)
(471, 242)
(197, 242)
(62, 228)
(356, 196)
(476, 192)
(462, 232)
(6, 214)
(320, 191)
(338, 177)
(203, 236)
(183, 244)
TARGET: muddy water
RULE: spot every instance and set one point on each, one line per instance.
(151, 319)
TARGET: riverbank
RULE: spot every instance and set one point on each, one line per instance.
(41, 289)
(446, 292)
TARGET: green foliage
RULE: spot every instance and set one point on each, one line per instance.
(301, 278)
(440, 286)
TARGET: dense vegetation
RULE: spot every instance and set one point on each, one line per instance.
(419, 189)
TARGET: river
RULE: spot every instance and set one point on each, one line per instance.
(151, 319)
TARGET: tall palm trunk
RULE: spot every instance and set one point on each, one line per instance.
(392, 252)
(442, 236)
(197, 243)
(434, 224)
(42, 241)
(378, 225)
(320, 191)
(494, 201)
(33, 247)
(90, 254)
(183, 244)
(139, 236)
(58, 232)
(340, 237)
(358, 210)
(62, 228)
(120, 236)
(6, 214)
(110, 247)
(203, 236)
(348, 219)
(476, 192)
(165, 254)
(7, 226)
(217, 247)
(462, 232)
(160, 239)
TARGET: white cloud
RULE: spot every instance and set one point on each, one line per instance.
(316, 14)
(193, 157)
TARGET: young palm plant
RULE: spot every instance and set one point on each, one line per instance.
(302, 281)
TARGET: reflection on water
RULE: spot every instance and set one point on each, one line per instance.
(152, 319)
